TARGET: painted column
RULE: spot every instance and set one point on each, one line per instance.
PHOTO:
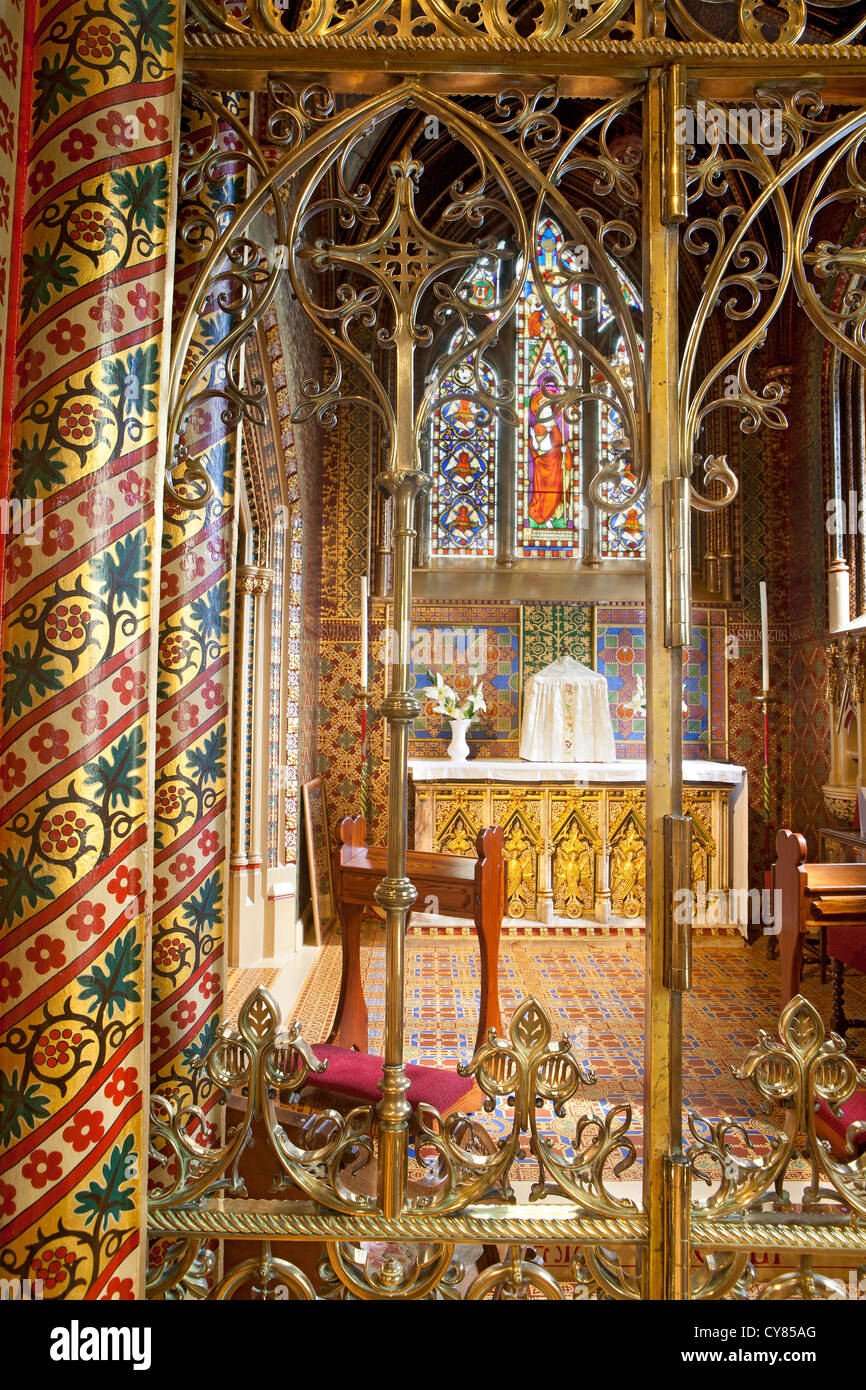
(95, 271)
(190, 829)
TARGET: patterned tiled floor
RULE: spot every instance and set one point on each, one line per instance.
(592, 990)
(240, 984)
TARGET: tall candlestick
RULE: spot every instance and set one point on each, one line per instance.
(364, 632)
(765, 639)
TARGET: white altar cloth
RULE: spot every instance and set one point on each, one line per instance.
(566, 715)
(631, 770)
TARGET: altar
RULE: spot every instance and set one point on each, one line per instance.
(574, 833)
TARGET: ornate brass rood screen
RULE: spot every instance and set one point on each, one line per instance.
(375, 270)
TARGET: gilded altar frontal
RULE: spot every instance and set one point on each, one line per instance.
(433, 661)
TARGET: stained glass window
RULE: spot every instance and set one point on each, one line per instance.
(464, 448)
(551, 473)
(623, 534)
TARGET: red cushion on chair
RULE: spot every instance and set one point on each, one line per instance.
(357, 1075)
(834, 1128)
(848, 944)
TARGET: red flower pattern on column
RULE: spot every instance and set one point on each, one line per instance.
(13, 772)
(106, 314)
(46, 953)
(155, 125)
(136, 490)
(185, 716)
(182, 866)
(145, 303)
(43, 1168)
(193, 567)
(123, 1083)
(41, 175)
(130, 685)
(57, 534)
(117, 129)
(78, 145)
(125, 884)
(209, 983)
(92, 714)
(88, 920)
(29, 366)
(120, 1289)
(85, 1129)
(184, 1014)
(10, 982)
(49, 743)
(97, 510)
(66, 337)
(212, 694)
(18, 562)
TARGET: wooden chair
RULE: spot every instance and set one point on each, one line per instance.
(817, 897)
(459, 887)
(352, 1075)
(846, 945)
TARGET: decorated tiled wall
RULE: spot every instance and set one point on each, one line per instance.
(464, 642)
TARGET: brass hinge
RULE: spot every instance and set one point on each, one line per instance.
(678, 562)
(678, 909)
(675, 209)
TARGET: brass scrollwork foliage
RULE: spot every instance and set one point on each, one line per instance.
(257, 1060)
(782, 22)
(798, 1071)
(449, 19)
(527, 1069)
(388, 279)
(739, 166)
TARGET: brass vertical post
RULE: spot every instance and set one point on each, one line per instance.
(678, 1185)
(662, 1065)
(395, 893)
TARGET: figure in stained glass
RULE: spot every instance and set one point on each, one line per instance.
(550, 463)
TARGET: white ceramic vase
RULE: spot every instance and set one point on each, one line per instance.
(458, 748)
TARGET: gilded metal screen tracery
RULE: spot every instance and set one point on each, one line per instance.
(376, 268)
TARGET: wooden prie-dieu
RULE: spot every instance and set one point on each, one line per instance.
(459, 887)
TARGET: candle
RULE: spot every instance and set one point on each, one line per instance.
(364, 633)
(765, 639)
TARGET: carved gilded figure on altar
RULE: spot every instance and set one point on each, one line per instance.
(572, 874)
(520, 872)
(457, 838)
(700, 863)
(628, 874)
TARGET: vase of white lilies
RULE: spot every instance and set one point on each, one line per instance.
(459, 713)
(637, 704)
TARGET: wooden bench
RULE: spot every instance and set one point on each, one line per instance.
(816, 897)
(459, 887)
